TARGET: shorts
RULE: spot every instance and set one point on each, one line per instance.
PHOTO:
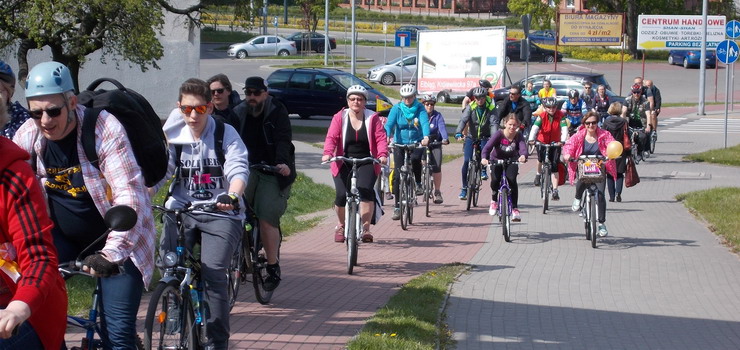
(265, 197)
(554, 157)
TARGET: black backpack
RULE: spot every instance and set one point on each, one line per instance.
(137, 116)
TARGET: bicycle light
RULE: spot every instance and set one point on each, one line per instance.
(170, 259)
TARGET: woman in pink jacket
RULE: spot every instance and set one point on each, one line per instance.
(589, 140)
(355, 132)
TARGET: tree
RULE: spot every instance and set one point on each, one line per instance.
(542, 13)
(72, 29)
(311, 9)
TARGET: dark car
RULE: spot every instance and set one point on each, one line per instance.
(311, 41)
(536, 53)
(691, 58)
(546, 37)
(561, 82)
(316, 91)
(414, 30)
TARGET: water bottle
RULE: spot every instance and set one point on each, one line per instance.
(195, 296)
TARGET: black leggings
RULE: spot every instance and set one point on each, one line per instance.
(398, 162)
(601, 203)
(365, 183)
(511, 171)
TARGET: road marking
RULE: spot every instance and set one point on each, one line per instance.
(706, 125)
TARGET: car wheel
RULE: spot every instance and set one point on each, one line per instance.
(549, 59)
(670, 60)
(508, 59)
(304, 116)
(241, 54)
(443, 97)
(685, 63)
(387, 79)
(283, 53)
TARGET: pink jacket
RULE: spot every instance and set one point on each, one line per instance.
(334, 143)
(574, 148)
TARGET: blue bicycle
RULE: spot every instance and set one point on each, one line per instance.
(505, 207)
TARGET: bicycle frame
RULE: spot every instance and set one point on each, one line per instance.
(505, 208)
(546, 174)
(406, 186)
(474, 172)
(427, 177)
(590, 202)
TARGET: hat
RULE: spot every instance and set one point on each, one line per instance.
(636, 88)
(255, 83)
(6, 73)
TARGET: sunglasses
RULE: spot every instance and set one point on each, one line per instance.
(590, 123)
(429, 104)
(253, 92)
(198, 109)
(217, 91)
(51, 112)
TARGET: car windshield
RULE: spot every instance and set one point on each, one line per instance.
(347, 80)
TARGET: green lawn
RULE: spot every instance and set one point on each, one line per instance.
(728, 156)
(719, 207)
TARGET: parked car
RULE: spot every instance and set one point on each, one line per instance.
(543, 37)
(691, 58)
(536, 53)
(313, 41)
(595, 78)
(390, 72)
(263, 45)
(561, 90)
(413, 29)
(316, 91)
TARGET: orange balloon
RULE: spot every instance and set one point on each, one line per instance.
(613, 150)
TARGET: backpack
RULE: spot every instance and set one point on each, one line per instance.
(142, 125)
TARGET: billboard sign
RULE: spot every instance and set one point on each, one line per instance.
(590, 28)
(671, 32)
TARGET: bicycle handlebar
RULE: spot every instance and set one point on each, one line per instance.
(266, 168)
(588, 156)
(365, 160)
(408, 147)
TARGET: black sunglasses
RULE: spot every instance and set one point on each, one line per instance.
(590, 123)
(217, 91)
(51, 112)
(253, 92)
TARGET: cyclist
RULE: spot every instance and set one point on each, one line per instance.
(79, 194)
(656, 103)
(263, 124)
(588, 94)
(518, 105)
(637, 110)
(469, 95)
(574, 109)
(35, 301)
(482, 121)
(204, 174)
(601, 103)
(617, 126)
(534, 100)
(17, 114)
(505, 144)
(355, 132)
(437, 132)
(554, 129)
(547, 90)
(590, 140)
(407, 123)
(224, 97)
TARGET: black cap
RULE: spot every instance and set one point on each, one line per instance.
(255, 83)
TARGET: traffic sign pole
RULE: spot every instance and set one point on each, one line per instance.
(727, 53)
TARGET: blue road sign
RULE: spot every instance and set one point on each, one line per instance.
(403, 39)
(727, 51)
(733, 29)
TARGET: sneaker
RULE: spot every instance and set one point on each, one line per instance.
(396, 214)
(273, 277)
(419, 189)
(484, 174)
(367, 237)
(463, 194)
(645, 155)
(493, 208)
(537, 179)
(611, 199)
(555, 195)
(602, 230)
(339, 234)
(388, 196)
(619, 197)
(515, 216)
(438, 197)
(576, 205)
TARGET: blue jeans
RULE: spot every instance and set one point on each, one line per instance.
(467, 154)
(119, 301)
(25, 339)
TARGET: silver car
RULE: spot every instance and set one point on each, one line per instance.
(263, 45)
(390, 72)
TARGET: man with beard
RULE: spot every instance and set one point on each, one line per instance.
(263, 124)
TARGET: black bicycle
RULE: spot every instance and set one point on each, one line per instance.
(474, 173)
(427, 182)
(546, 174)
(505, 207)
(406, 185)
(591, 170)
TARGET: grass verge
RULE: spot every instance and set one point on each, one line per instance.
(411, 319)
(725, 156)
(718, 207)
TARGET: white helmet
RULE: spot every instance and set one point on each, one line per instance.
(357, 90)
(408, 90)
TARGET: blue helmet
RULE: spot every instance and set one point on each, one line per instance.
(6, 73)
(49, 78)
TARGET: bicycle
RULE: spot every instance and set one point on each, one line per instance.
(592, 173)
(653, 141)
(250, 257)
(427, 184)
(638, 153)
(353, 228)
(505, 207)
(118, 218)
(406, 185)
(382, 185)
(474, 179)
(177, 308)
(546, 175)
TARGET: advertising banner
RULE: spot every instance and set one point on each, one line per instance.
(672, 32)
(590, 29)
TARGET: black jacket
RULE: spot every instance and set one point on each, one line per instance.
(269, 139)
(523, 111)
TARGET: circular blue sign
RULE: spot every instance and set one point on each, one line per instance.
(732, 29)
(727, 51)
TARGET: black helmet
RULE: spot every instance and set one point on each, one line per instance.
(479, 92)
(549, 102)
(573, 93)
(485, 84)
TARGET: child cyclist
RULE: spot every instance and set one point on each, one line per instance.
(437, 132)
(505, 144)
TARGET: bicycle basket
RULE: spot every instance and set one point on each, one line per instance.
(590, 171)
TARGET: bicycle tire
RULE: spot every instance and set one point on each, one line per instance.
(165, 297)
(503, 210)
(653, 141)
(545, 189)
(379, 189)
(351, 238)
(476, 191)
(585, 212)
(427, 183)
(234, 275)
(259, 269)
(412, 199)
(592, 221)
(402, 189)
(471, 184)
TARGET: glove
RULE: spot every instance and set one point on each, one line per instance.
(102, 266)
(458, 136)
(228, 199)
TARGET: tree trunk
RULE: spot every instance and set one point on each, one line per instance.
(632, 27)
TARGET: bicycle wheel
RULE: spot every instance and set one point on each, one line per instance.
(476, 191)
(351, 227)
(169, 319)
(653, 140)
(259, 269)
(234, 274)
(545, 189)
(411, 191)
(592, 220)
(505, 217)
(379, 189)
(402, 199)
(426, 177)
(585, 213)
(471, 183)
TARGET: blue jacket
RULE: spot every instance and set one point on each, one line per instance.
(407, 124)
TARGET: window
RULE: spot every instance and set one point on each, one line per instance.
(411, 61)
(301, 80)
(271, 40)
(323, 82)
(279, 79)
(570, 3)
(258, 41)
